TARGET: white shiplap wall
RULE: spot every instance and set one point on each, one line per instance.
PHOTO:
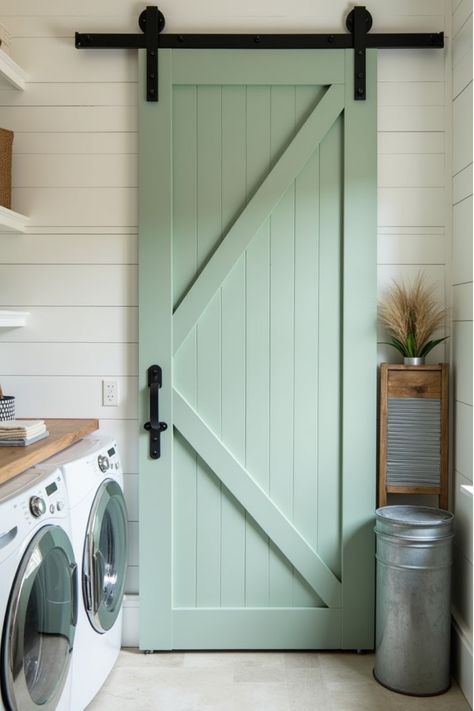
(461, 353)
(75, 175)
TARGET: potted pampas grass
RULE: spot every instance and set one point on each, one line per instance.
(411, 316)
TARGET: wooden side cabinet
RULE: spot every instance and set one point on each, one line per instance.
(413, 426)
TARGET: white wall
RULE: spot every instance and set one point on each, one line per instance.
(75, 174)
(461, 354)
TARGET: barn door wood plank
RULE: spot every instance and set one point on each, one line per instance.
(267, 196)
(252, 497)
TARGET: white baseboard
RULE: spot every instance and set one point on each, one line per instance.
(462, 660)
(130, 621)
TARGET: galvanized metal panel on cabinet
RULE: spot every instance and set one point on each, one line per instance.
(413, 453)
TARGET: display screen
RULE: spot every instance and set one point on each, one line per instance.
(111, 452)
(51, 488)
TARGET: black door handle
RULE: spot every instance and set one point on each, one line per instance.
(154, 426)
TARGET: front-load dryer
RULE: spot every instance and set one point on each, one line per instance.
(94, 480)
(38, 593)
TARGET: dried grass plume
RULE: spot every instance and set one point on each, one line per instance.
(411, 315)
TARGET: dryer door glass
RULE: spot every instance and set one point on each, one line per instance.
(40, 623)
(105, 556)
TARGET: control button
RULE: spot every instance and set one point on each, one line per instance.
(51, 508)
(116, 465)
(60, 505)
(103, 462)
(37, 506)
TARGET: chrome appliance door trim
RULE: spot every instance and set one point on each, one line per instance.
(49, 540)
(103, 571)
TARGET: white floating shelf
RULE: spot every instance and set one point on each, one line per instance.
(11, 221)
(12, 319)
(11, 72)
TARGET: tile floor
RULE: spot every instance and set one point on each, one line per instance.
(256, 681)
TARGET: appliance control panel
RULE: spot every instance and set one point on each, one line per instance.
(108, 460)
(49, 497)
(34, 498)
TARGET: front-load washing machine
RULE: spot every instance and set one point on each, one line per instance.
(94, 481)
(38, 593)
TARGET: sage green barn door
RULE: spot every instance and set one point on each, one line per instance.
(257, 299)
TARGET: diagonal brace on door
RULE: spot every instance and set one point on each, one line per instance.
(256, 501)
(254, 214)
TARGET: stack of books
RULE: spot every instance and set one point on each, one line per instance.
(21, 433)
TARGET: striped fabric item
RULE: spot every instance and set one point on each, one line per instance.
(413, 442)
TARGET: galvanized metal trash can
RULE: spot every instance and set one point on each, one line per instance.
(413, 620)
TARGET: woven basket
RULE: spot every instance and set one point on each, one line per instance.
(6, 140)
(7, 407)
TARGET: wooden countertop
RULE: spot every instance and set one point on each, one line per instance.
(62, 433)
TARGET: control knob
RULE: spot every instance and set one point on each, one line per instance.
(103, 462)
(37, 506)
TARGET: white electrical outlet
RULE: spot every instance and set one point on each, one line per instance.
(109, 393)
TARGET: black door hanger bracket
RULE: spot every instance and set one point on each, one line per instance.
(358, 38)
(151, 23)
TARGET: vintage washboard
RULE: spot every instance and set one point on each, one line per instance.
(413, 454)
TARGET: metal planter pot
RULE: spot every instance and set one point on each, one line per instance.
(419, 360)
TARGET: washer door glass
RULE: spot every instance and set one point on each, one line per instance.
(105, 556)
(40, 623)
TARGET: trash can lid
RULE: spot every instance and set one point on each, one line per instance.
(414, 515)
